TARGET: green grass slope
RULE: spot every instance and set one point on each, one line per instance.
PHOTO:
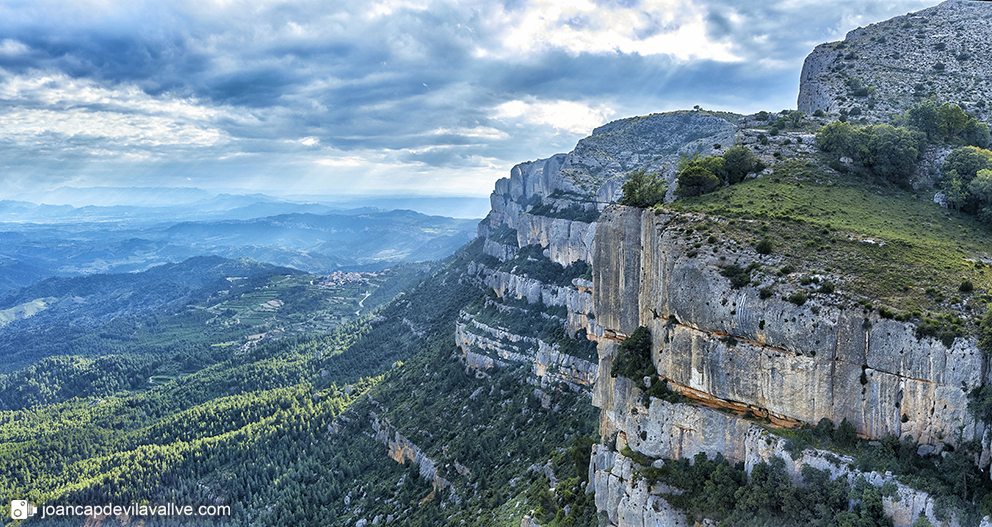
(887, 245)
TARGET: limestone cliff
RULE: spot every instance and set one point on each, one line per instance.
(729, 349)
(798, 362)
(733, 353)
(676, 431)
(744, 360)
(553, 203)
(884, 68)
(572, 239)
(485, 347)
(590, 175)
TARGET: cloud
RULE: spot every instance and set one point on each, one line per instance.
(669, 27)
(44, 110)
(12, 48)
(350, 94)
(574, 117)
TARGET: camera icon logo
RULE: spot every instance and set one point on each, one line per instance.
(22, 509)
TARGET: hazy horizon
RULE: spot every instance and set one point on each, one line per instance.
(464, 207)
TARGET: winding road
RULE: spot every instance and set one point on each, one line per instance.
(362, 301)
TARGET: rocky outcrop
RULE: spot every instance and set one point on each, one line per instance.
(401, 450)
(567, 241)
(805, 363)
(886, 67)
(687, 430)
(592, 172)
(576, 299)
(485, 347)
(629, 504)
(500, 251)
(535, 291)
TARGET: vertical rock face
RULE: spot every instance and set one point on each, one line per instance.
(680, 431)
(617, 248)
(886, 67)
(799, 363)
(727, 348)
(567, 241)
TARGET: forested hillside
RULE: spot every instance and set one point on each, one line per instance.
(272, 430)
(99, 334)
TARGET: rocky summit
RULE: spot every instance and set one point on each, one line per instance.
(944, 52)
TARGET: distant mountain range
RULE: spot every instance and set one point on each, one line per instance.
(175, 204)
(39, 241)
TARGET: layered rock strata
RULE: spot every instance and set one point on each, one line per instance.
(728, 349)
(818, 360)
(676, 431)
(485, 347)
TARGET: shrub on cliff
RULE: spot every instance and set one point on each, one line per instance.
(968, 181)
(945, 123)
(721, 492)
(633, 359)
(985, 333)
(643, 189)
(846, 435)
(887, 151)
(765, 246)
(980, 403)
(739, 276)
(573, 212)
(739, 161)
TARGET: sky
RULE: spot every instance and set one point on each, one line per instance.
(395, 97)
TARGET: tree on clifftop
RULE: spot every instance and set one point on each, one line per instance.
(701, 175)
(968, 181)
(889, 152)
(643, 189)
(739, 161)
(696, 181)
(945, 123)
